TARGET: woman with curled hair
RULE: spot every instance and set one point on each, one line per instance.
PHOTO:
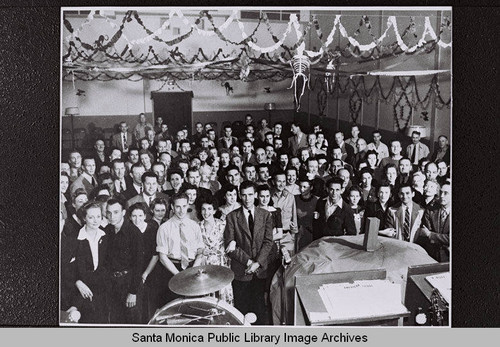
(229, 194)
(91, 274)
(212, 230)
(138, 213)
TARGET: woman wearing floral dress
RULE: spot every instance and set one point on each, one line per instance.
(212, 230)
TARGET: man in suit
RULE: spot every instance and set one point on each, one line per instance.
(121, 179)
(248, 238)
(99, 155)
(297, 140)
(248, 156)
(149, 193)
(347, 150)
(227, 140)
(87, 179)
(416, 150)
(403, 221)
(435, 229)
(122, 140)
(135, 188)
(335, 218)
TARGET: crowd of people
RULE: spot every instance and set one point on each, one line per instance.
(154, 204)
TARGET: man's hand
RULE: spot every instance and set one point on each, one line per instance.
(390, 232)
(426, 231)
(252, 268)
(231, 247)
(131, 298)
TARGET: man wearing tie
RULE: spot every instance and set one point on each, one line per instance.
(298, 140)
(179, 244)
(122, 140)
(87, 179)
(248, 238)
(435, 228)
(149, 192)
(416, 150)
(402, 222)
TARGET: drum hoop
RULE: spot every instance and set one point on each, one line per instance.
(216, 302)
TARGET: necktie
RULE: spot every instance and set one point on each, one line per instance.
(406, 226)
(444, 215)
(125, 147)
(150, 201)
(250, 221)
(94, 183)
(122, 185)
(184, 247)
(414, 155)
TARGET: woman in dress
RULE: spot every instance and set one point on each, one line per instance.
(230, 195)
(354, 198)
(212, 230)
(274, 262)
(91, 275)
(368, 191)
(148, 230)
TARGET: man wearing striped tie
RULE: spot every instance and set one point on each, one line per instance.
(179, 244)
(403, 221)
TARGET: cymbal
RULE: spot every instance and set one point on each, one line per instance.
(201, 280)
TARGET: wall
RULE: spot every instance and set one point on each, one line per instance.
(380, 115)
(107, 103)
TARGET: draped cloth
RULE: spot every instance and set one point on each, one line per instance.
(340, 254)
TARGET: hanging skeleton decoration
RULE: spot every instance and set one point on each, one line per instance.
(301, 75)
(330, 77)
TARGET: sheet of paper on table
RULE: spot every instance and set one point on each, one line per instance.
(442, 282)
(361, 299)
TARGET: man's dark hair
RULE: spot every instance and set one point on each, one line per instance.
(174, 171)
(114, 201)
(246, 185)
(334, 180)
(148, 174)
(136, 165)
(178, 196)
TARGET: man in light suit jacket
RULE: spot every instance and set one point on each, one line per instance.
(122, 140)
(435, 228)
(248, 238)
(403, 221)
(334, 216)
(416, 150)
(298, 140)
(87, 179)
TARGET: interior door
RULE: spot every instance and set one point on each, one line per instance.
(175, 108)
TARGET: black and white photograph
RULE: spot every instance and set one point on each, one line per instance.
(255, 166)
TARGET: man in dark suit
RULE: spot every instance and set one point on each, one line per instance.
(227, 140)
(248, 238)
(135, 188)
(99, 154)
(149, 193)
(298, 140)
(347, 150)
(122, 140)
(403, 220)
(335, 218)
(248, 156)
(435, 229)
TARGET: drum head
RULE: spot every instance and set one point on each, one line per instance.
(198, 311)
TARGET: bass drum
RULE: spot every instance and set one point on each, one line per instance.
(198, 311)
